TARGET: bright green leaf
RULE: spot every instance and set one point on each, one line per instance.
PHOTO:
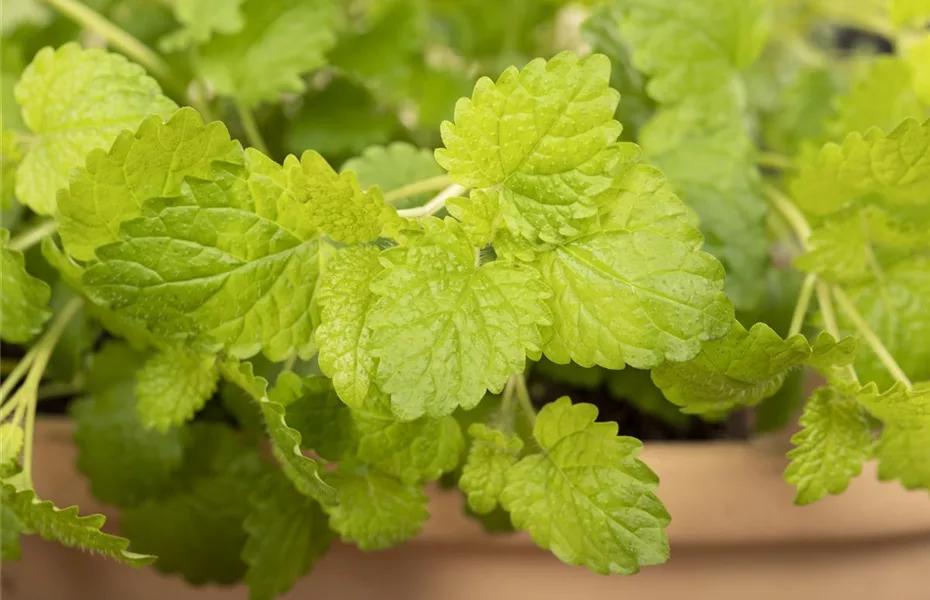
(900, 406)
(904, 454)
(493, 452)
(151, 162)
(23, 298)
(827, 352)
(540, 140)
(173, 385)
(740, 369)
(445, 329)
(586, 497)
(10, 530)
(201, 19)
(376, 511)
(11, 442)
(829, 451)
(917, 56)
(74, 101)
(905, 12)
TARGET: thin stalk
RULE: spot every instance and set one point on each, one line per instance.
(252, 133)
(870, 337)
(804, 300)
(790, 212)
(10, 382)
(773, 160)
(120, 39)
(431, 184)
(523, 398)
(33, 235)
(59, 389)
(829, 318)
(434, 205)
(289, 363)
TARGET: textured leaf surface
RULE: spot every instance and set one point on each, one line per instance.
(287, 533)
(539, 140)
(899, 406)
(695, 47)
(492, 453)
(895, 167)
(640, 291)
(586, 497)
(23, 298)
(316, 412)
(376, 511)
(65, 527)
(394, 166)
(74, 101)
(124, 461)
(343, 334)
(196, 530)
(173, 385)
(445, 330)
(829, 451)
(281, 40)
(740, 369)
(827, 352)
(904, 454)
(151, 162)
(230, 264)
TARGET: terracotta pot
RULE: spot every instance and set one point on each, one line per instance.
(735, 534)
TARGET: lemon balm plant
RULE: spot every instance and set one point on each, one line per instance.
(375, 325)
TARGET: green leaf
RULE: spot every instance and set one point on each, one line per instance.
(394, 166)
(303, 471)
(251, 285)
(343, 333)
(905, 12)
(540, 141)
(10, 530)
(173, 385)
(640, 291)
(17, 13)
(376, 511)
(897, 308)
(492, 454)
(637, 388)
(287, 533)
(804, 108)
(829, 451)
(899, 406)
(151, 162)
(586, 497)
(23, 298)
(312, 408)
(196, 530)
(740, 369)
(445, 329)
(692, 48)
(412, 451)
(125, 462)
(65, 527)
(74, 101)
(281, 40)
(917, 56)
(882, 95)
(904, 454)
(201, 19)
(827, 352)
(11, 442)
(895, 167)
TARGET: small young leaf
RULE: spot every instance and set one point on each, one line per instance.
(287, 533)
(74, 101)
(173, 385)
(740, 369)
(586, 497)
(376, 511)
(492, 454)
(23, 298)
(829, 451)
(65, 527)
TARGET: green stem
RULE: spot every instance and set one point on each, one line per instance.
(33, 235)
(790, 212)
(523, 398)
(772, 160)
(829, 318)
(870, 337)
(252, 133)
(418, 187)
(289, 363)
(139, 52)
(804, 300)
(59, 389)
(434, 205)
(10, 382)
